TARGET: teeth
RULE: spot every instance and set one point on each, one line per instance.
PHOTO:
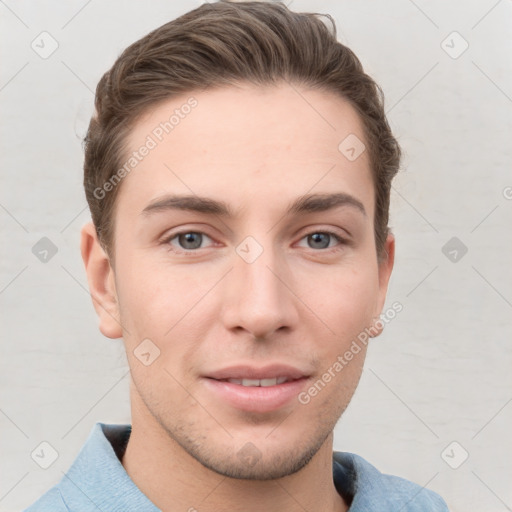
(250, 382)
(258, 382)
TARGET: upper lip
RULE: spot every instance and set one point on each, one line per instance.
(252, 372)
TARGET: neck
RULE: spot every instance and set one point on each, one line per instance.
(175, 481)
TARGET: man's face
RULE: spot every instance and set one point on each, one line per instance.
(258, 291)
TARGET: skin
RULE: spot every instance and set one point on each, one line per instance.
(257, 149)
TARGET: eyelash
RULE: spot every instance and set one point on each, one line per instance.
(329, 250)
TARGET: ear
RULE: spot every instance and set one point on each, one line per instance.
(100, 277)
(385, 268)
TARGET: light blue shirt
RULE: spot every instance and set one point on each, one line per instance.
(97, 481)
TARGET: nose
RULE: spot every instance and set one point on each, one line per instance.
(258, 296)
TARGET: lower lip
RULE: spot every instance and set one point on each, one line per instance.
(256, 398)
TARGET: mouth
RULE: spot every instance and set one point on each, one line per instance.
(254, 389)
(258, 382)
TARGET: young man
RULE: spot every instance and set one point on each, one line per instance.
(238, 171)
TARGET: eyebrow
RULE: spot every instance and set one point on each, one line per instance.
(323, 202)
(305, 204)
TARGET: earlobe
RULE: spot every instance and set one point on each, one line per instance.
(385, 269)
(100, 277)
(386, 265)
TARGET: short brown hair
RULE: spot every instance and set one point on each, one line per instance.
(226, 43)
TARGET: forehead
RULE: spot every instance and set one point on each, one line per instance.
(246, 142)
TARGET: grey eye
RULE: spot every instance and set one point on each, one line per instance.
(319, 240)
(190, 240)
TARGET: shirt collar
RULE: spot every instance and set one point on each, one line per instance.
(97, 481)
(366, 489)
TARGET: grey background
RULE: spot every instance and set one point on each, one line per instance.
(440, 373)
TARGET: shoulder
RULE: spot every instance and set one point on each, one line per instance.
(51, 501)
(373, 490)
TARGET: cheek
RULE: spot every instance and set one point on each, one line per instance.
(146, 289)
(142, 303)
(165, 303)
(343, 298)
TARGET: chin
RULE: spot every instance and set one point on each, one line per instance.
(251, 463)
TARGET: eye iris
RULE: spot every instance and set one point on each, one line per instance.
(319, 240)
(190, 240)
